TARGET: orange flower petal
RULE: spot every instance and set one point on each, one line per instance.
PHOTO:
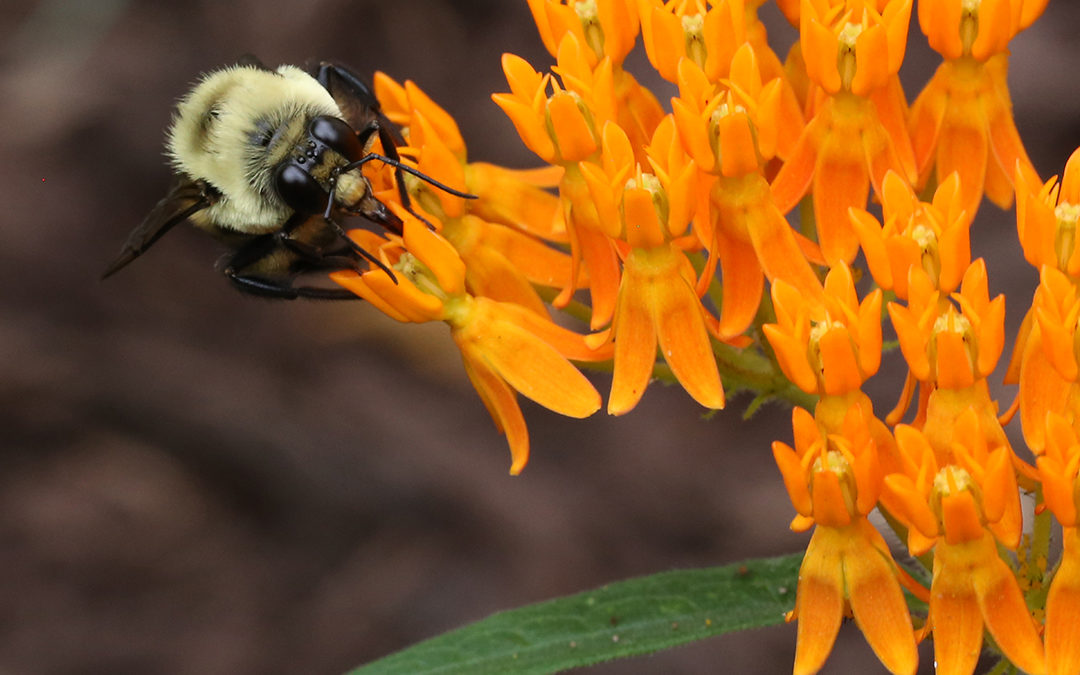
(693, 133)
(435, 252)
(878, 603)
(529, 125)
(501, 403)
(791, 355)
(635, 350)
(954, 369)
(868, 333)
(962, 147)
(439, 161)
(990, 335)
(897, 20)
(960, 518)
(664, 39)
(795, 176)
(891, 110)
(566, 342)
(1042, 389)
(407, 301)
(830, 507)
(441, 121)
(819, 604)
(743, 285)
(1063, 611)
(958, 628)
(738, 148)
(1008, 148)
(840, 182)
(684, 343)
(525, 83)
(870, 46)
(528, 364)
(996, 28)
(603, 194)
(1070, 180)
(570, 128)
(940, 21)
(791, 470)
(839, 365)
(643, 226)
(509, 197)
(1057, 489)
(779, 254)
(392, 98)
(603, 264)
(539, 9)
(1000, 495)
(912, 341)
(819, 48)
(1006, 613)
(868, 229)
(354, 282)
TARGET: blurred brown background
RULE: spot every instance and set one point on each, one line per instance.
(195, 481)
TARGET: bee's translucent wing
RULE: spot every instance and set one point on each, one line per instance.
(184, 199)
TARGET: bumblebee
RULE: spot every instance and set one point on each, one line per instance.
(265, 161)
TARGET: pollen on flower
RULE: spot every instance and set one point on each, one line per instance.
(693, 26)
(1067, 214)
(951, 480)
(951, 322)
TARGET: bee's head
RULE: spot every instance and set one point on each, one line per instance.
(237, 127)
(301, 179)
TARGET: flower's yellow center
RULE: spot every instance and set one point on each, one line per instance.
(655, 188)
(586, 113)
(834, 461)
(1068, 215)
(846, 63)
(817, 332)
(929, 255)
(723, 110)
(590, 22)
(693, 26)
(952, 322)
(969, 23)
(952, 480)
(420, 275)
(820, 328)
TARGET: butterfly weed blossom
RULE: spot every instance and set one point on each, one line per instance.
(668, 229)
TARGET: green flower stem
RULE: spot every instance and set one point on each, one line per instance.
(747, 369)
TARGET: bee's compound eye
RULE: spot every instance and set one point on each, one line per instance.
(336, 134)
(299, 190)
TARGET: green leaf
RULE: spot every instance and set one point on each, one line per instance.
(627, 618)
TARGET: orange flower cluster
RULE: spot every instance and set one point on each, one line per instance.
(672, 222)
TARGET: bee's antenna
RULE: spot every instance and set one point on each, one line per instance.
(407, 169)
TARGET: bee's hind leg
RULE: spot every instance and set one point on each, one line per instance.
(261, 248)
(283, 290)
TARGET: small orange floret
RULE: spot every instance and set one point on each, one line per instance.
(856, 50)
(962, 121)
(834, 480)
(829, 349)
(934, 237)
(978, 30)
